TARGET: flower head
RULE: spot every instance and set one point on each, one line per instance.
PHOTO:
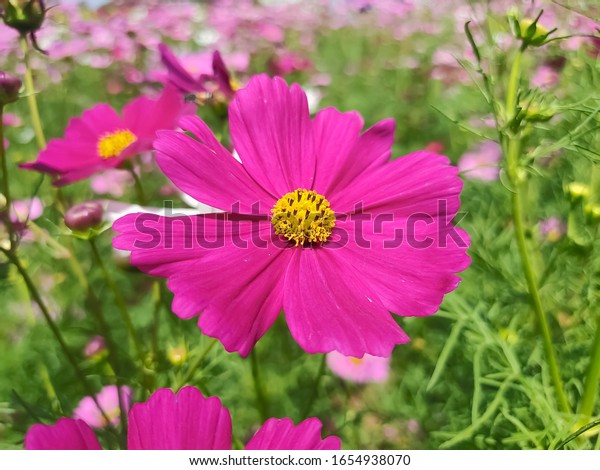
(9, 88)
(108, 399)
(183, 421)
(216, 86)
(364, 370)
(101, 139)
(318, 223)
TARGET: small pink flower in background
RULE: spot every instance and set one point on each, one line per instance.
(101, 139)
(183, 421)
(545, 77)
(108, 400)
(289, 62)
(24, 210)
(11, 120)
(95, 346)
(552, 229)
(336, 295)
(435, 147)
(114, 182)
(367, 369)
(481, 163)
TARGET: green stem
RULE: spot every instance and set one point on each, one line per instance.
(513, 153)
(261, 401)
(37, 298)
(31, 99)
(192, 369)
(315, 389)
(5, 183)
(120, 301)
(138, 186)
(590, 390)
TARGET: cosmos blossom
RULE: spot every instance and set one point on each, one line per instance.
(307, 195)
(367, 369)
(182, 421)
(219, 82)
(101, 139)
(108, 399)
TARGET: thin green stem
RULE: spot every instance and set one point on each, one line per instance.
(194, 366)
(120, 301)
(31, 98)
(315, 389)
(138, 186)
(512, 150)
(590, 390)
(37, 298)
(5, 183)
(261, 401)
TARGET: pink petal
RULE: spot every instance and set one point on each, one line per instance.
(204, 170)
(182, 421)
(415, 183)
(93, 123)
(410, 277)
(282, 434)
(329, 306)
(373, 150)
(236, 285)
(272, 132)
(336, 135)
(145, 116)
(66, 434)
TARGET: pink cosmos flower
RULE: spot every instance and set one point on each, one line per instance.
(95, 346)
(24, 210)
(316, 224)
(482, 162)
(114, 182)
(368, 369)
(100, 139)
(108, 399)
(552, 229)
(219, 81)
(183, 421)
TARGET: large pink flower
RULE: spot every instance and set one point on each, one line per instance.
(101, 139)
(319, 222)
(182, 421)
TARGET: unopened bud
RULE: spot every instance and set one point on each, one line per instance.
(84, 216)
(529, 31)
(26, 16)
(9, 88)
(578, 190)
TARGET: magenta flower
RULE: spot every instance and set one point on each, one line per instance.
(183, 421)
(217, 82)
(482, 163)
(321, 224)
(108, 399)
(368, 369)
(100, 139)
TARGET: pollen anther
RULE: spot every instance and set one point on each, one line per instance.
(303, 216)
(113, 143)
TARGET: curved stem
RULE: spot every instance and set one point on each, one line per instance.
(138, 186)
(513, 155)
(120, 301)
(31, 99)
(590, 390)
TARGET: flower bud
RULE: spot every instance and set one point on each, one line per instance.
(84, 216)
(26, 16)
(177, 355)
(578, 191)
(529, 31)
(9, 88)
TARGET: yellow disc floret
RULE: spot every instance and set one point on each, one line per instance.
(112, 144)
(303, 216)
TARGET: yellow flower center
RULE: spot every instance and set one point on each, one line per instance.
(356, 361)
(303, 216)
(112, 144)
